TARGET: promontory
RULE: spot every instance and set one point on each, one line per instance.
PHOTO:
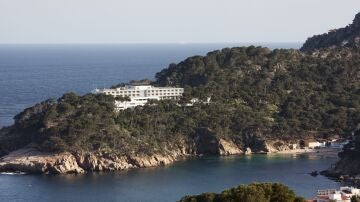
(262, 100)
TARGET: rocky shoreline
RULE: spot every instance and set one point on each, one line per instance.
(30, 160)
(345, 171)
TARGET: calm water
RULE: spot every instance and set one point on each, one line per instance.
(32, 73)
(170, 183)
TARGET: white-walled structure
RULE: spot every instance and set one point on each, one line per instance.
(342, 195)
(140, 94)
(313, 145)
(144, 91)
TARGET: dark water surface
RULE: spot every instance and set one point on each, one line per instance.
(33, 73)
(169, 183)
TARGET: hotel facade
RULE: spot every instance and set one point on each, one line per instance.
(140, 94)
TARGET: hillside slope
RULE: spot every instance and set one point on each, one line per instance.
(261, 100)
(348, 36)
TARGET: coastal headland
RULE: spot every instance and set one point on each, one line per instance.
(262, 101)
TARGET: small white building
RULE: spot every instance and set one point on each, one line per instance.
(313, 145)
(140, 94)
(350, 191)
(342, 195)
(143, 91)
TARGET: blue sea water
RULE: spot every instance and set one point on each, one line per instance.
(170, 183)
(32, 73)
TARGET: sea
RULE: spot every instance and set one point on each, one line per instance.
(32, 73)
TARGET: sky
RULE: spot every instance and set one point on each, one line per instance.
(170, 21)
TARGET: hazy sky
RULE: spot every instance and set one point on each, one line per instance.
(170, 21)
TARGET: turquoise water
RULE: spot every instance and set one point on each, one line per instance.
(169, 183)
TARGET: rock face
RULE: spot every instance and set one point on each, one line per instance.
(278, 146)
(343, 37)
(31, 160)
(228, 148)
(208, 143)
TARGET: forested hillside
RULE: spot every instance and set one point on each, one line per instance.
(288, 91)
(348, 36)
(256, 94)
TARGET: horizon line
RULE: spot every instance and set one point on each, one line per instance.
(152, 43)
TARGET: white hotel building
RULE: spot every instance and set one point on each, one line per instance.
(139, 95)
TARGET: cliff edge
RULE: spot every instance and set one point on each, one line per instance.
(348, 36)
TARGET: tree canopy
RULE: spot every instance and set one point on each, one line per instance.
(256, 94)
(256, 192)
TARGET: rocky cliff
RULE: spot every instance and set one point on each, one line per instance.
(348, 36)
(31, 160)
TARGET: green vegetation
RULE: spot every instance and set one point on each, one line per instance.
(284, 92)
(343, 37)
(69, 122)
(256, 94)
(343, 43)
(351, 151)
(264, 192)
